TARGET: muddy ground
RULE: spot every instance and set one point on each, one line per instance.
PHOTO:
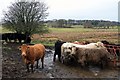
(14, 67)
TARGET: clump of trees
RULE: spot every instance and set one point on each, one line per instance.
(62, 23)
(26, 17)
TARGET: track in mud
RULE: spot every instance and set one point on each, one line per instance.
(13, 67)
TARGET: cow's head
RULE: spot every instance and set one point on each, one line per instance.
(74, 50)
(67, 50)
(77, 54)
(24, 50)
(72, 55)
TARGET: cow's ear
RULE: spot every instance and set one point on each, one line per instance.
(19, 47)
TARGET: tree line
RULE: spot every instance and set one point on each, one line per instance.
(62, 23)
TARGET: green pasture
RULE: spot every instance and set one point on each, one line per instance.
(80, 29)
(46, 42)
(76, 28)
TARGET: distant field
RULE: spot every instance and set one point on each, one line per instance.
(74, 34)
(80, 34)
(80, 30)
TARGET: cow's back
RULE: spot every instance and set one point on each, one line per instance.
(37, 51)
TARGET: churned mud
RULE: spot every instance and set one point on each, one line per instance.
(14, 67)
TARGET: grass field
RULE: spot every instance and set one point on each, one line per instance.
(79, 34)
(74, 34)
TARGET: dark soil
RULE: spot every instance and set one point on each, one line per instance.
(14, 67)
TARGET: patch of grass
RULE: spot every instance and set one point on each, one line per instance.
(79, 29)
(68, 30)
(118, 28)
(4, 30)
(46, 43)
(77, 26)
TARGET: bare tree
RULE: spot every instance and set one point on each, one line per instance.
(26, 17)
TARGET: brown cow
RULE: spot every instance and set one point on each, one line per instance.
(32, 53)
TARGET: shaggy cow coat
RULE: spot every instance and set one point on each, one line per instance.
(86, 56)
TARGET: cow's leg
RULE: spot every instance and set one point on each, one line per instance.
(42, 60)
(59, 57)
(32, 67)
(104, 63)
(27, 66)
(54, 58)
(101, 64)
(37, 64)
(62, 59)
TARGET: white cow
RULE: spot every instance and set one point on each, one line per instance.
(67, 48)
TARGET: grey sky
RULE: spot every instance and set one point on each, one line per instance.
(77, 9)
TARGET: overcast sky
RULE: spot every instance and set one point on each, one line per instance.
(76, 9)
